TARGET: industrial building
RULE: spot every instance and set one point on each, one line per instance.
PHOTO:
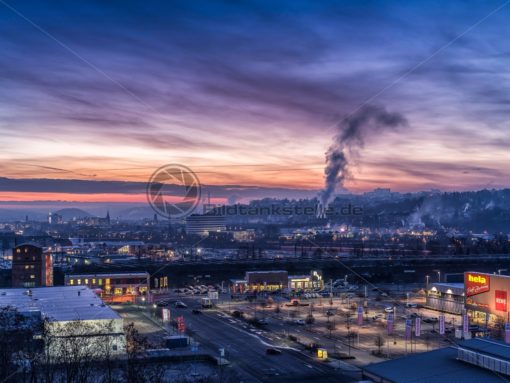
(31, 267)
(69, 312)
(203, 224)
(113, 287)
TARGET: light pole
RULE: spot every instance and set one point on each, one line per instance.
(427, 278)
(439, 276)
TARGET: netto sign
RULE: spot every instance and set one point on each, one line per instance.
(476, 283)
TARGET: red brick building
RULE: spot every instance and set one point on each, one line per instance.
(31, 267)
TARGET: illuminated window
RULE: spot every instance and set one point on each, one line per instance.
(18, 250)
(32, 276)
(93, 281)
(107, 281)
(71, 282)
(79, 281)
(100, 281)
(86, 281)
(26, 267)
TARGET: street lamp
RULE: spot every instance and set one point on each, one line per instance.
(439, 275)
(427, 281)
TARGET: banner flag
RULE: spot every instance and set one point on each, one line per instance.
(390, 323)
(360, 315)
(409, 327)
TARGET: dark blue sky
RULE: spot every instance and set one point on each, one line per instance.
(111, 90)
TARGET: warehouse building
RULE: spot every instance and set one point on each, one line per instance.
(70, 313)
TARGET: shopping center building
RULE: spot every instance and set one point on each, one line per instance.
(445, 297)
(484, 296)
(271, 280)
(487, 294)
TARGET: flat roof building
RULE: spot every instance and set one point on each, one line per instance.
(69, 311)
(203, 224)
(445, 297)
(473, 361)
(113, 287)
(60, 303)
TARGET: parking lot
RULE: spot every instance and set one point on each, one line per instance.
(332, 322)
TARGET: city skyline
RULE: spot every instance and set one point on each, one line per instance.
(117, 92)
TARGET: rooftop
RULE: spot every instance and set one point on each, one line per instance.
(436, 366)
(451, 288)
(487, 347)
(62, 303)
(102, 275)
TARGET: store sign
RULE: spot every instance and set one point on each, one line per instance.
(501, 300)
(166, 315)
(476, 283)
(479, 305)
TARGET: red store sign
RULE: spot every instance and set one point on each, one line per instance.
(501, 300)
(476, 283)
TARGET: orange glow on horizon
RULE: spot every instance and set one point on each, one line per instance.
(90, 198)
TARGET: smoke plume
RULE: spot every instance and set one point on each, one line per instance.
(352, 132)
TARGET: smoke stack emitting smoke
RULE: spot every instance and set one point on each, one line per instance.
(352, 131)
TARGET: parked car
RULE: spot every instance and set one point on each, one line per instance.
(181, 305)
(196, 311)
(411, 305)
(300, 322)
(389, 309)
(237, 314)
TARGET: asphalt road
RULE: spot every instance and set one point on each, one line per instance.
(245, 348)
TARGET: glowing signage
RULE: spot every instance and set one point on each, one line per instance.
(476, 283)
(500, 297)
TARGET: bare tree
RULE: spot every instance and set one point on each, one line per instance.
(16, 344)
(136, 344)
(379, 342)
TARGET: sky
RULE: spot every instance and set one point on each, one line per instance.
(250, 93)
